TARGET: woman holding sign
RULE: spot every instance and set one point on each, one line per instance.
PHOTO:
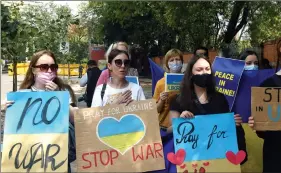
(173, 62)
(118, 90)
(272, 139)
(42, 76)
(198, 96)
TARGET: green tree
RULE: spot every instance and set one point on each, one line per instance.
(15, 33)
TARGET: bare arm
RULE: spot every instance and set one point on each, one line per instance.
(172, 114)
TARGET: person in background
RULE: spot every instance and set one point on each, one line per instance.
(80, 70)
(272, 139)
(201, 50)
(251, 59)
(90, 79)
(173, 62)
(118, 90)
(265, 63)
(198, 96)
(42, 76)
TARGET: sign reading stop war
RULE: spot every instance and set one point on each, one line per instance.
(36, 132)
(119, 138)
(266, 108)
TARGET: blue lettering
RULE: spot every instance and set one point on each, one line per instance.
(269, 113)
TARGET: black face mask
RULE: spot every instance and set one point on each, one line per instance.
(202, 80)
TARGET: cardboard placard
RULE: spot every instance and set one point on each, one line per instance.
(36, 132)
(119, 138)
(266, 108)
(203, 143)
(173, 81)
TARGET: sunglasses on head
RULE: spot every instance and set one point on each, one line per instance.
(119, 62)
(46, 67)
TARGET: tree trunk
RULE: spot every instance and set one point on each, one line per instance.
(233, 28)
(15, 79)
(68, 70)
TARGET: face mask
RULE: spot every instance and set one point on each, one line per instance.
(44, 77)
(251, 67)
(202, 80)
(175, 67)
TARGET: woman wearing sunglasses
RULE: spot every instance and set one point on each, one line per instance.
(118, 90)
(42, 76)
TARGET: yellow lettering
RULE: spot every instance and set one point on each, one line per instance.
(227, 92)
(224, 75)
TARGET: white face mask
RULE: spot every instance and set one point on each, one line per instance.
(251, 67)
(175, 67)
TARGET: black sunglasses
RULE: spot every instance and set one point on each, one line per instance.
(46, 67)
(119, 62)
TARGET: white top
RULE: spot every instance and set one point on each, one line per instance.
(84, 80)
(111, 94)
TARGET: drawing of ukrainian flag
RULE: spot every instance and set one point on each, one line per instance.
(123, 134)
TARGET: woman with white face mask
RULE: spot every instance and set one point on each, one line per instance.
(173, 62)
(251, 60)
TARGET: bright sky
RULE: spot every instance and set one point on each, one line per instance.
(72, 4)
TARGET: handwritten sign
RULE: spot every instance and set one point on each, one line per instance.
(206, 140)
(228, 73)
(173, 81)
(36, 132)
(119, 138)
(266, 108)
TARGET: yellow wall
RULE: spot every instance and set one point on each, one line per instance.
(62, 71)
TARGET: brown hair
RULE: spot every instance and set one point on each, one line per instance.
(29, 79)
(172, 53)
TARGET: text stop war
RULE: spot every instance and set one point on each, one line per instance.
(110, 157)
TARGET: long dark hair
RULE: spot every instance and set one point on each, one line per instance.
(187, 95)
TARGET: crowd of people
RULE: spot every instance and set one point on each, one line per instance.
(197, 92)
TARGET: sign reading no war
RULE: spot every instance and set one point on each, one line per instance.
(36, 132)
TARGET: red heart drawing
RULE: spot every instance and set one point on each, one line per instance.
(177, 158)
(186, 171)
(183, 166)
(206, 163)
(235, 159)
(202, 170)
(194, 165)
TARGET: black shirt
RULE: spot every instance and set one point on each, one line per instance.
(217, 104)
(93, 75)
(272, 139)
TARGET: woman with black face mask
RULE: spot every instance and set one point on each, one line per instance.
(198, 96)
